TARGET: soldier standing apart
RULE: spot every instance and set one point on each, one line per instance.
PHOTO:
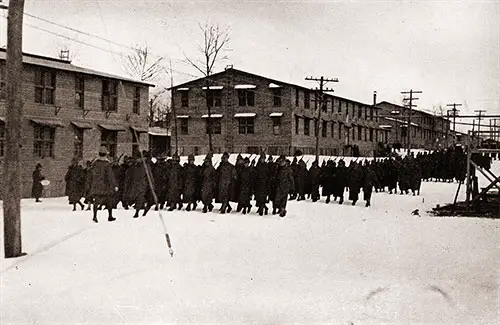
(103, 184)
(37, 188)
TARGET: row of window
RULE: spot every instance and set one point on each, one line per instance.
(246, 97)
(45, 90)
(246, 125)
(44, 140)
(363, 133)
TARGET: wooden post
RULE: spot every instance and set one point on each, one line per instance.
(13, 127)
(468, 187)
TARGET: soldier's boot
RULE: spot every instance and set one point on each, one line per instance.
(260, 211)
(354, 202)
(266, 210)
(223, 208)
(171, 208)
(188, 208)
(195, 206)
(89, 207)
(282, 213)
(341, 200)
(211, 207)
(81, 205)
(238, 208)
(156, 207)
(136, 214)
(74, 207)
(204, 209)
(146, 209)
(95, 219)
(180, 206)
(110, 215)
(244, 210)
(328, 199)
(274, 211)
(367, 204)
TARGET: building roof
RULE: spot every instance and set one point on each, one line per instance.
(64, 65)
(273, 83)
(405, 108)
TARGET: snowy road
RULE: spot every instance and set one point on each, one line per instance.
(321, 264)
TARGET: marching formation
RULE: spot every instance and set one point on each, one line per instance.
(142, 182)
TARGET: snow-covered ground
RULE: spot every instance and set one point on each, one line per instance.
(323, 263)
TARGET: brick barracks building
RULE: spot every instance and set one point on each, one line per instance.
(428, 131)
(69, 112)
(250, 113)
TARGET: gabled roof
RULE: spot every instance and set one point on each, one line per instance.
(270, 80)
(58, 64)
(405, 108)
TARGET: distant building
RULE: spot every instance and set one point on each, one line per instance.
(159, 141)
(427, 131)
(250, 113)
(69, 112)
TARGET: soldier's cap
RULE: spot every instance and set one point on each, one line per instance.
(225, 155)
(191, 157)
(247, 160)
(103, 150)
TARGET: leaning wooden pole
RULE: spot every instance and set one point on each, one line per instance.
(14, 115)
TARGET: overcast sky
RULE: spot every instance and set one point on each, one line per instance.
(450, 50)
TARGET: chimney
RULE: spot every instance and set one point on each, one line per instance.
(374, 98)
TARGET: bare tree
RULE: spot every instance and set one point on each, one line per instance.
(142, 65)
(215, 40)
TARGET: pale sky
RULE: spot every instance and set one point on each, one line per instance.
(450, 50)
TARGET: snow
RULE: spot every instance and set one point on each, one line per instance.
(323, 263)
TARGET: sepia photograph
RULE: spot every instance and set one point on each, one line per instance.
(249, 162)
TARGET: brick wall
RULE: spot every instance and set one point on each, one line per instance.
(54, 168)
(287, 141)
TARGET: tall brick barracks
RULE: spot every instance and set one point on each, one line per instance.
(250, 113)
(69, 112)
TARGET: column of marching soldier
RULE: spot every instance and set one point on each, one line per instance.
(105, 184)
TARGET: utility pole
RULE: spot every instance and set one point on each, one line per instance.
(322, 81)
(479, 112)
(13, 127)
(411, 99)
(173, 110)
(454, 112)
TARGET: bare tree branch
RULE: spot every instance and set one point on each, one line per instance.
(142, 66)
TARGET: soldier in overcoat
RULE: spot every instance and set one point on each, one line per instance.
(262, 184)
(285, 184)
(103, 184)
(190, 175)
(246, 185)
(174, 189)
(37, 188)
(75, 184)
(208, 184)
(355, 181)
(226, 176)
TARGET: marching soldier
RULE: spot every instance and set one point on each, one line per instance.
(226, 176)
(103, 184)
(189, 190)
